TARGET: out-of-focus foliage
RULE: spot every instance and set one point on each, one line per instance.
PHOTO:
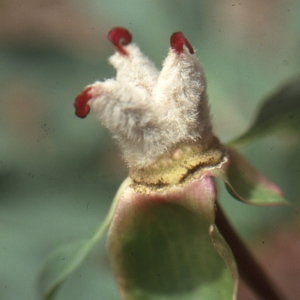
(281, 112)
(58, 174)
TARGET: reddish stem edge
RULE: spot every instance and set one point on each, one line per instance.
(252, 273)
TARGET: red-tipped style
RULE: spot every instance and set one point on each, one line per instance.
(120, 37)
(82, 109)
(177, 41)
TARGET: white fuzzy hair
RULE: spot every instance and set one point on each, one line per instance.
(150, 112)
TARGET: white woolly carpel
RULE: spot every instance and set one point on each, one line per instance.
(149, 112)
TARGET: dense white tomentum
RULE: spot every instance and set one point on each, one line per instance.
(150, 113)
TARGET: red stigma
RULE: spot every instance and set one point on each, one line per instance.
(177, 41)
(120, 37)
(82, 109)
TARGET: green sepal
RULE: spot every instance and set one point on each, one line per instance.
(246, 184)
(165, 246)
(64, 260)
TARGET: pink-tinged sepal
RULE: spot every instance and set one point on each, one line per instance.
(245, 183)
(164, 244)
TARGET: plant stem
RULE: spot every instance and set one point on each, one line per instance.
(248, 268)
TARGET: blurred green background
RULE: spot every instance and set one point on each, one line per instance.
(58, 173)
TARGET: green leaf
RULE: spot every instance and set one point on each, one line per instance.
(248, 185)
(279, 112)
(63, 261)
(163, 246)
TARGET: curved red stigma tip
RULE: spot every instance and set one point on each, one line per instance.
(120, 37)
(177, 41)
(82, 109)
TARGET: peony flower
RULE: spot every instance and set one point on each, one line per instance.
(168, 238)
